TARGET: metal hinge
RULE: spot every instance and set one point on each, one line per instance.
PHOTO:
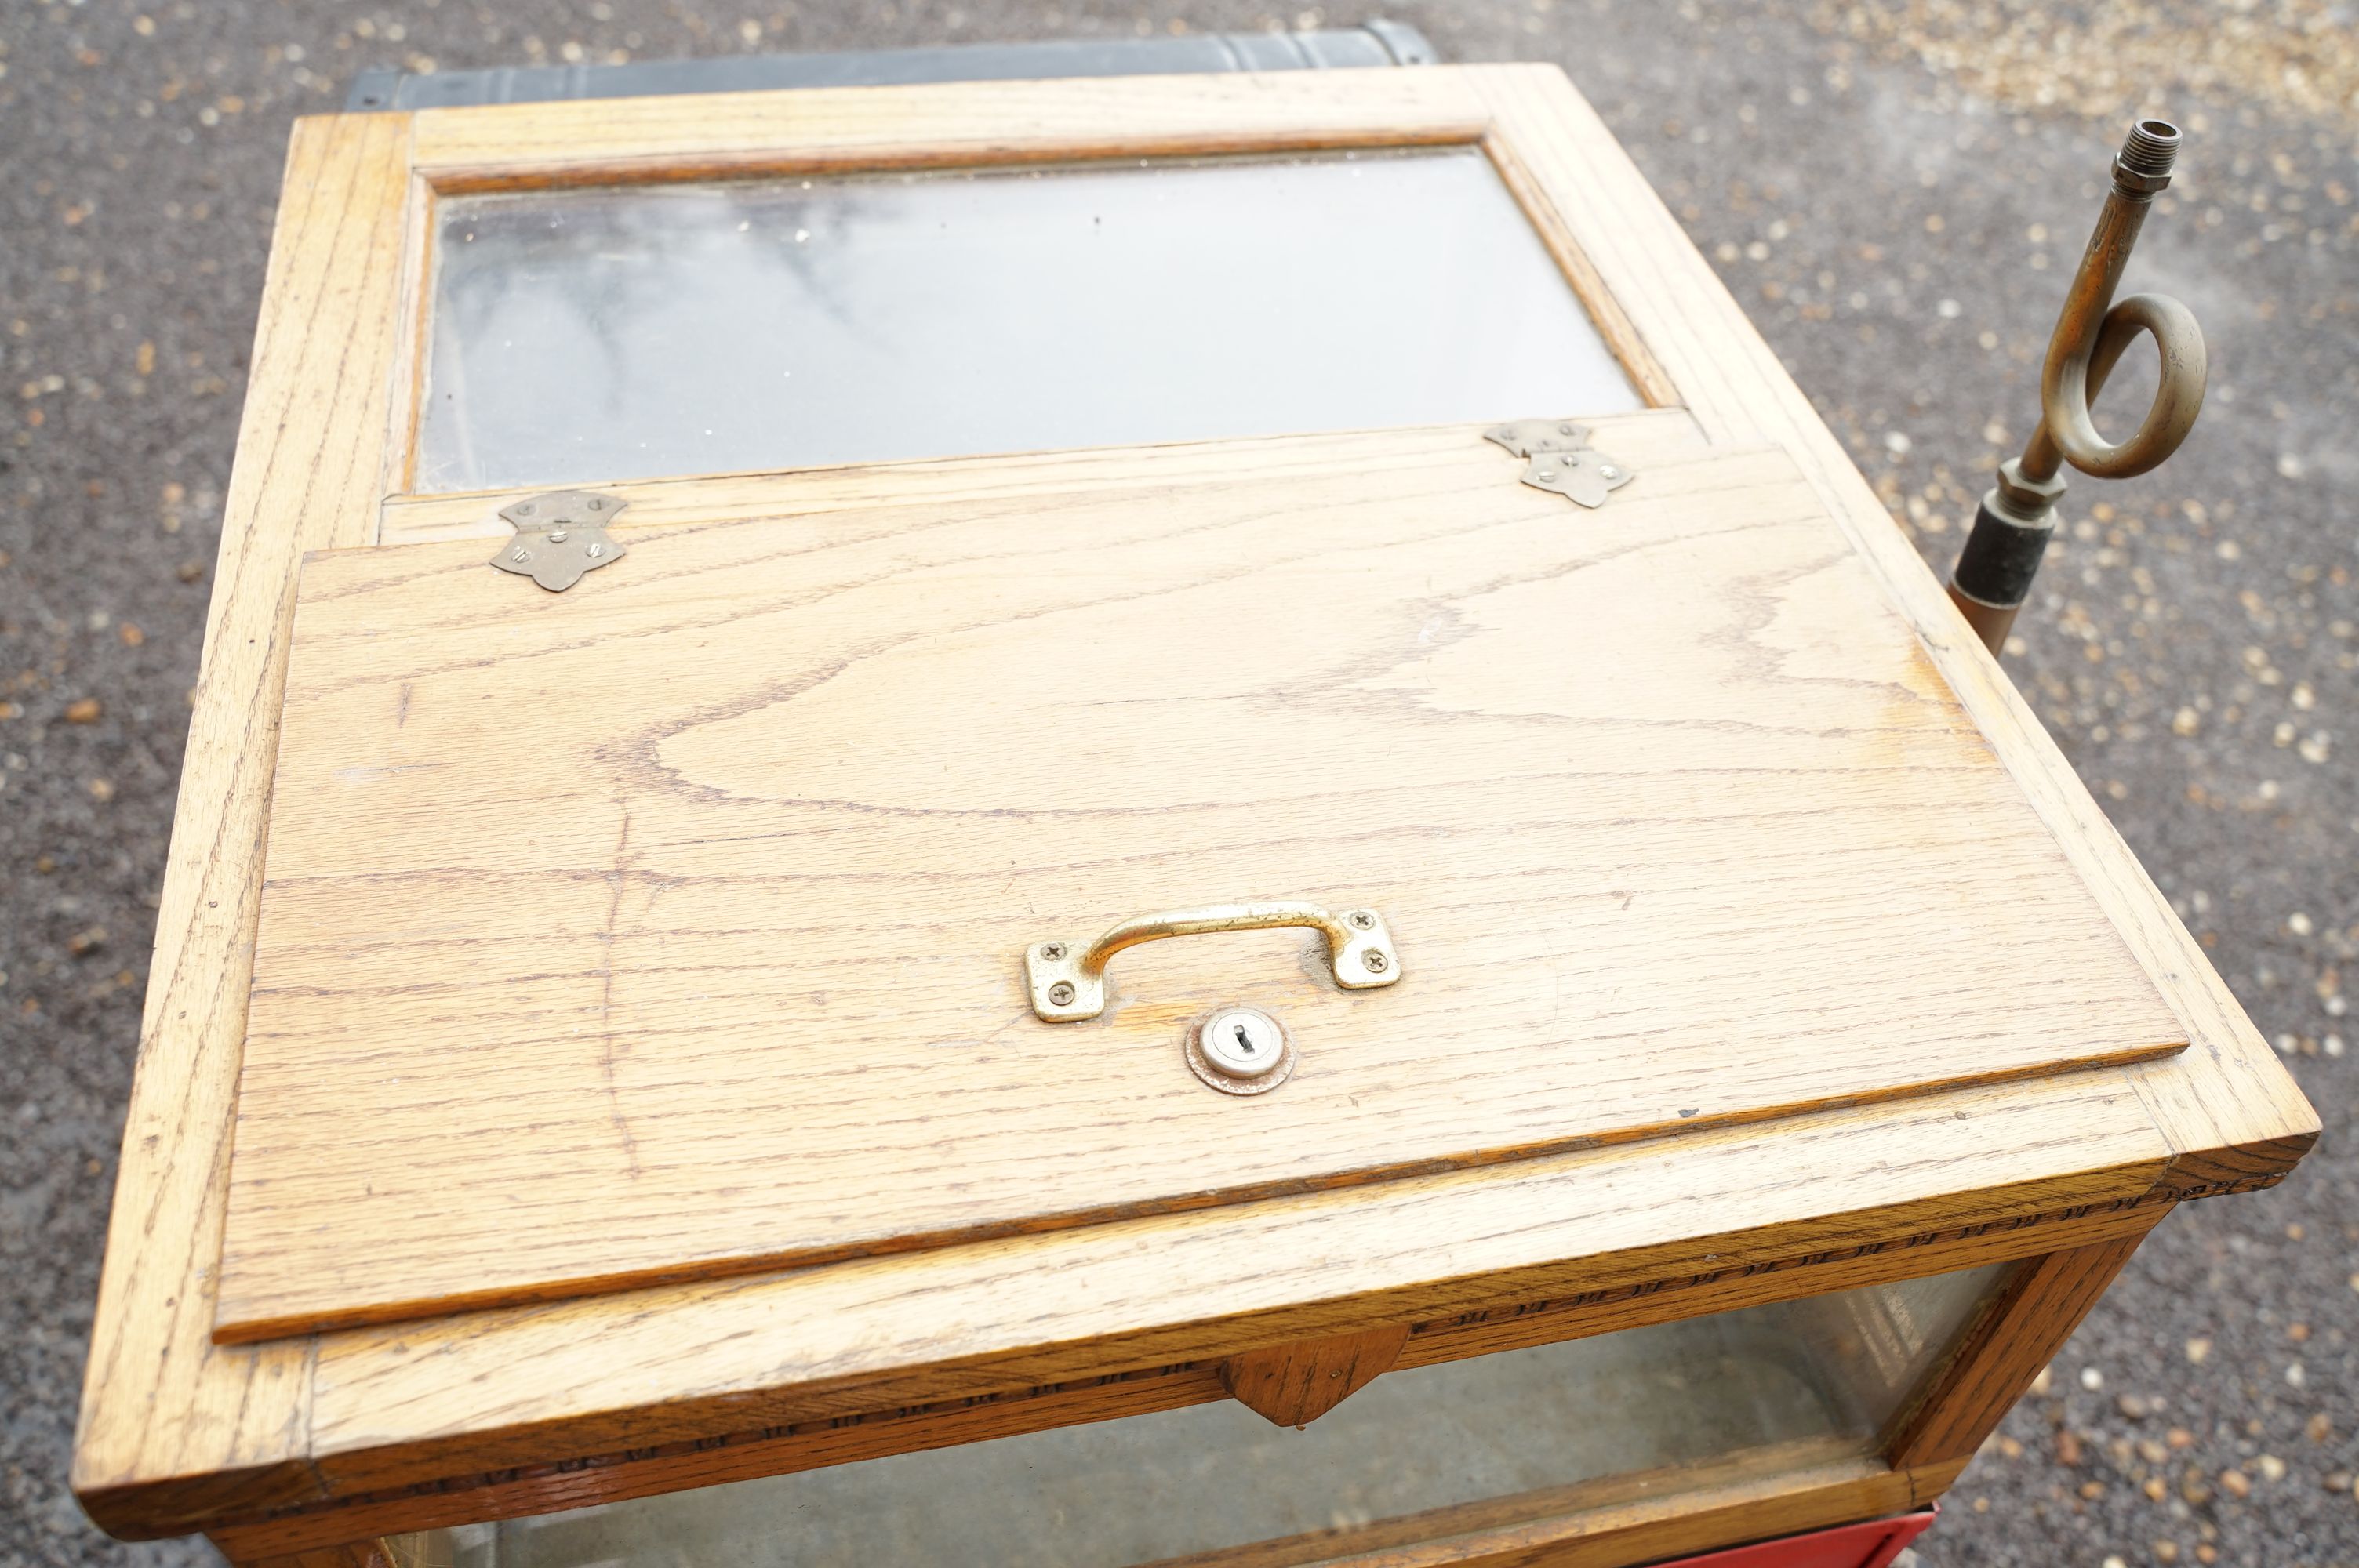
(1562, 461)
(558, 536)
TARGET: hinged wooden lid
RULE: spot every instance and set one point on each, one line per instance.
(674, 925)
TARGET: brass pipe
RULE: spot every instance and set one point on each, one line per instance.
(2017, 516)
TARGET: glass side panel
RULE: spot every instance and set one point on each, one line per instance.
(1421, 1453)
(590, 335)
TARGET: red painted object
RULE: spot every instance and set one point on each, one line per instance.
(1871, 1545)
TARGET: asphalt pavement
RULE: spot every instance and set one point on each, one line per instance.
(1896, 191)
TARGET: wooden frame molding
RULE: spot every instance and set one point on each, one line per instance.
(1294, 1385)
(1613, 1523)
(351, 1554)
(2004, 1350)
(535, 1482)
(299, 1445)
(838, 131)
(1617, 1522)
(1305, 465)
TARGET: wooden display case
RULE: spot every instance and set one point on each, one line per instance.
(607, 1042)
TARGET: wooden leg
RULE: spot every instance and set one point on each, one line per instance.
(2003, 1352)
(352, 1554)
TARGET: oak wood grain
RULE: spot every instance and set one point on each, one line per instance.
(1291, 471)
(159, 1399)
(741, 945)
(964, 123)
(608, 1398)
(1294, 1385)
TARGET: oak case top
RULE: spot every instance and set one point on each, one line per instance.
(1898, 1169)
(667, 927)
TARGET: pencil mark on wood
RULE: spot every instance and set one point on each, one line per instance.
(616, 880)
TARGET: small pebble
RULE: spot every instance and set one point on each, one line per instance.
(2235, 1482)
(84, 711)
(2197, 1350)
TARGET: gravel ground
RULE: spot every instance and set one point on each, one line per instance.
(1897, 193)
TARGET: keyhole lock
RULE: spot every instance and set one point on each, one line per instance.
(1240, 1051)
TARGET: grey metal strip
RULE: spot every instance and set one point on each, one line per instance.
(1377, 43)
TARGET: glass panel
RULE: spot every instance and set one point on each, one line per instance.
(590, 335)
(1520, 1434)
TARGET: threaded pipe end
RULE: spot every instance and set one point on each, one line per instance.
(2152, 147)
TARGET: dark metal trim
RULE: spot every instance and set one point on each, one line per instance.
(1377, 43)
(2001, 557)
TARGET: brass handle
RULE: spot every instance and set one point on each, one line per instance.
(1067, 983)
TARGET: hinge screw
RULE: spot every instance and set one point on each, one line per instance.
(1061, 993)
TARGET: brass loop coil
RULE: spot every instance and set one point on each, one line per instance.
(2073, 378)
